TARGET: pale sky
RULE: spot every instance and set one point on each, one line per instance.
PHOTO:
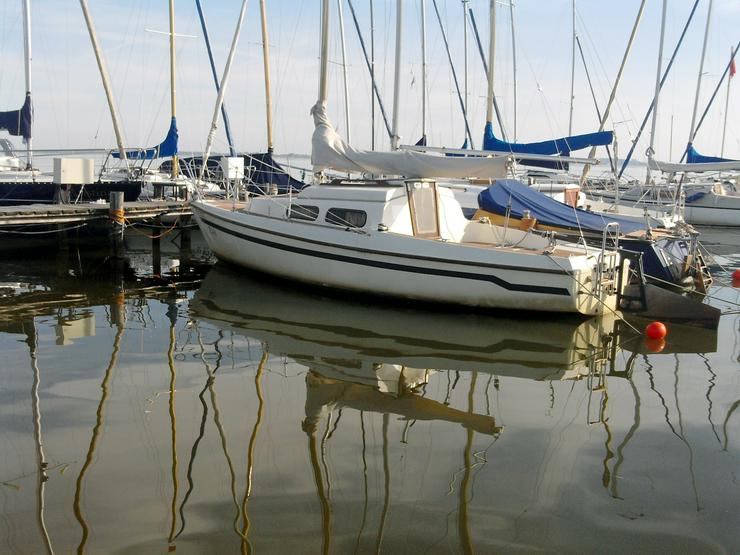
(71, 112)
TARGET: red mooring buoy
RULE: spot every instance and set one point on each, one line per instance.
(656, 330)
(736, 278)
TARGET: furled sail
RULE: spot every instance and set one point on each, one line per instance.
(19, 122)
(560, 147)
(329, 151)
(695, 163)
(166, 148)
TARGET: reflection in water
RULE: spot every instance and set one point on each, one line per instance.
(42, 465)
(402, 413)
(118, 319)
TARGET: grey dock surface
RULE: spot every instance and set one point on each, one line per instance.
(50, 214)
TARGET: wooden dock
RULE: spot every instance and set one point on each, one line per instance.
(55, 214)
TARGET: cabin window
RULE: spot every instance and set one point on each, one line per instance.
(346, 217)
(303, 212)
(423, 204)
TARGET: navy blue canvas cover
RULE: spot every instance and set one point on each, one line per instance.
(693, 157)
(548, 211)
(19, 122)
(165, 149)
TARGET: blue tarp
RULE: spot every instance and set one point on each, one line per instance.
(560, 147)
(19, 122)
(166, 148)
(693, 157)
(266, 171)
(548, 211)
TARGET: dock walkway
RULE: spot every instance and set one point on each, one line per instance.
(54, 214)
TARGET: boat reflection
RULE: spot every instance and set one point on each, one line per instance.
(357, 339)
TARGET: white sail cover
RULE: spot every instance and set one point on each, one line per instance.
(329, 151)
(668, 167)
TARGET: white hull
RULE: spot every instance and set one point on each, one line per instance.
(392, 264)
(713, 209)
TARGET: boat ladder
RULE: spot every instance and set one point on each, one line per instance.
(606, 274)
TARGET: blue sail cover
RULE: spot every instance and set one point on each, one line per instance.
(515, 196)
(19, 122)
(693, 157)
(165, 149)
(560, 147)
(266, 171)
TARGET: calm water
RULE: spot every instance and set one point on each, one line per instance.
(244, 415)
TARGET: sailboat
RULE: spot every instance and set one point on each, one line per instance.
(403, 237)
(22, 183)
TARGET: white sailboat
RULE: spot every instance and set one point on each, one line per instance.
(403, 238)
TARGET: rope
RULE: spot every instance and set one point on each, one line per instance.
(116, 214)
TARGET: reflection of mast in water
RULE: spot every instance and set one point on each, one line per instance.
(386, 485)
(172, 316)
(309, 426)
(364, 476)
(193, 452)
(118, 317)
(42, 477)
(466, 544)
(246, 547)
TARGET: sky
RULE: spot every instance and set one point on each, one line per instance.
(71, 110)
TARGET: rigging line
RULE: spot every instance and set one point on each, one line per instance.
(224, 115)
(612, 164)
(370, 68)
(627, 159)
(454, 73)
(714, 94)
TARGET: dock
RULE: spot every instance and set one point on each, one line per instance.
(56, 214)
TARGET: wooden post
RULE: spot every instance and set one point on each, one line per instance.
(156, 250)
(117, 219)
(185, 245)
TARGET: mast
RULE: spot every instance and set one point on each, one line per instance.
(727, 100)
(27, 67)
(423, 71)
(106, 81)
(266, 63)
(651, 149)
(613, 94)
(324, 51)
(465, 53)
(222, 90)
(227, 126)
(173, 91)
(692, 129)
(492, 59)
(513, 58)
(572, 69)
(372, 73)
(397, 76)
(344, 70)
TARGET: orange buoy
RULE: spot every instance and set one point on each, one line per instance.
(656, 330)
(655, 345)
(736, 278)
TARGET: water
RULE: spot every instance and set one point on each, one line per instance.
(147, 415)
